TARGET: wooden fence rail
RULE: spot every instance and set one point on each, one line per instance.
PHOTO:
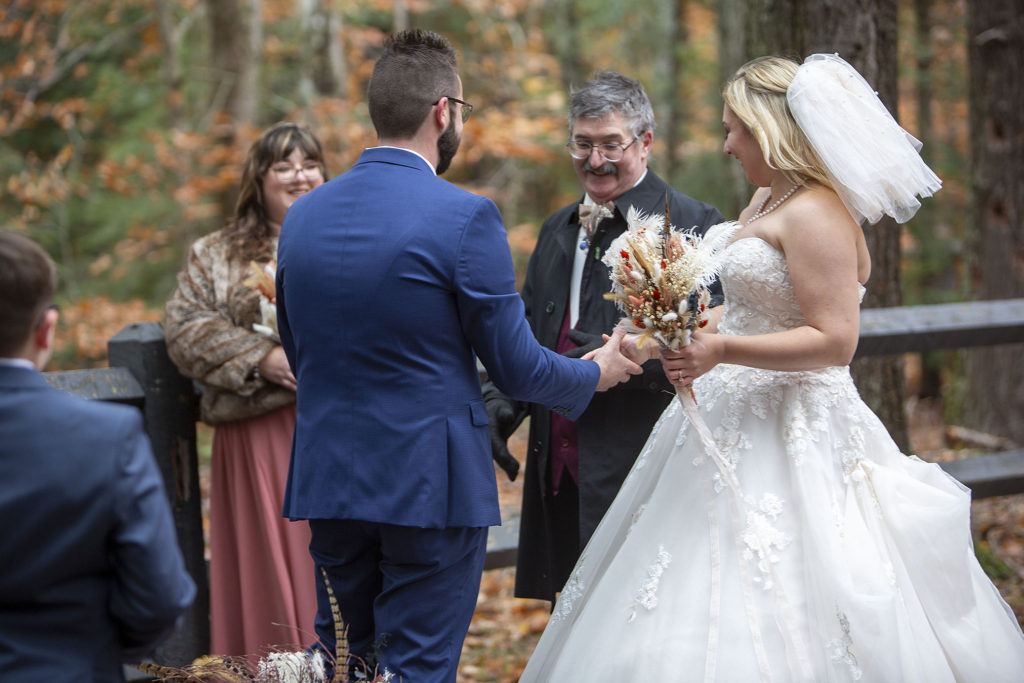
(141, 374)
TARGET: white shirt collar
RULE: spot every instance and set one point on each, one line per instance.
(17, 363)
(406, 149)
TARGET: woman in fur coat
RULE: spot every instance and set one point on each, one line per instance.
(262, 584)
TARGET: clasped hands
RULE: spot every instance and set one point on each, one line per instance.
(275, 368)
(680, 367)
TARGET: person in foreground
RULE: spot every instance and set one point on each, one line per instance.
(262, 583)
(391, 282)
(574, 469)
(92, 574)
(790, 540)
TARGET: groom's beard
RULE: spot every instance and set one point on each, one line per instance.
(447, 146)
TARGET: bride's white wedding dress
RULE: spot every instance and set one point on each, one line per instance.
(817, 553)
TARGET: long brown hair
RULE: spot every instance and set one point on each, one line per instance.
(248, 232)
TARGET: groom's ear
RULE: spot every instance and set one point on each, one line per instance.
(441, 114)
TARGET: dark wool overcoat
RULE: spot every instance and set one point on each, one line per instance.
(616, 424)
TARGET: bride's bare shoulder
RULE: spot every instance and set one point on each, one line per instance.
(821, 208)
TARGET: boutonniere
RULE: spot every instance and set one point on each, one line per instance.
(591, 216)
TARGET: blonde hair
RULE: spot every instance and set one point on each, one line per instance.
(756, 94)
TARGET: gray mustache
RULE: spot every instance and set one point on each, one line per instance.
(606, 168)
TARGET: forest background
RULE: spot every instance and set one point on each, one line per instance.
(123, 125)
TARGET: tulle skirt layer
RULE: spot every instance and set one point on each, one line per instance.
(802, 547)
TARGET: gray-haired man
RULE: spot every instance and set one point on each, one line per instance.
(574, 469)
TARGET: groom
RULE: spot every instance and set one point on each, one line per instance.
(391, 282)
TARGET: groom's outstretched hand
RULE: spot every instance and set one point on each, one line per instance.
(615, 367)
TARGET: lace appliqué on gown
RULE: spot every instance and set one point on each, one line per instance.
(571, 592)
(763, 539)
(840, 648)
(647, 596)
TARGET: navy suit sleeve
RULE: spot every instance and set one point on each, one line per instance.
(151, 586)
(284, 330)
(493, 319)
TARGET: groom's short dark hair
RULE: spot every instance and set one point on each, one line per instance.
(28, 279)
(416, 69)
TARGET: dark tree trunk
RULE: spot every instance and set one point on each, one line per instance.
(235, 29)
(236, 32)
(863, 32)
(172, 35)
(733, 53)
(323, 70)
(996, 224)
(565, 41)
(675, 121)
(923, 53)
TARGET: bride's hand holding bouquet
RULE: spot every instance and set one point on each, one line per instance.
(660, 280)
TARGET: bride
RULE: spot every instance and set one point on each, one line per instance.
(795, 542)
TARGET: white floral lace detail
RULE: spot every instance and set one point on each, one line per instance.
(571, 592)
(851, 453)
(763, 539)
(839, 648)
(647, 595)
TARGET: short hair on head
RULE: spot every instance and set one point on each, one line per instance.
(756, 94)
(249, 231)
(416, 69)
(28, 280)
(609, 92)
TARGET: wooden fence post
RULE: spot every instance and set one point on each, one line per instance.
(170, 413)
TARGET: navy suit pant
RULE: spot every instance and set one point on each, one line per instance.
(406, 594)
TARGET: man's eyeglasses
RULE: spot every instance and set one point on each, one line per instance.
(286, 172)
(467, 108)
(609, 151)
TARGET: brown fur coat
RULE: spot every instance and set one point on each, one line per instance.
(210, 337)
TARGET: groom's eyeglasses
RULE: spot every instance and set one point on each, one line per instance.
(467, 108)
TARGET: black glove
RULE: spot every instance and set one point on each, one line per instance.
(504, 417)
(585, 343)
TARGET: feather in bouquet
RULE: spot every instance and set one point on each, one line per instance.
(661, 277)
(262, 280)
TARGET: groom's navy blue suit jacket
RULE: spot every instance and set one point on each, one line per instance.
(389, 280)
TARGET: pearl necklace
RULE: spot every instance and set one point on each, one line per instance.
(761, 211)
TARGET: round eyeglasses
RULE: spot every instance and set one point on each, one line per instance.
(286, 172)
(609, 151)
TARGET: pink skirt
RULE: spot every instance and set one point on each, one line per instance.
(262, 581)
